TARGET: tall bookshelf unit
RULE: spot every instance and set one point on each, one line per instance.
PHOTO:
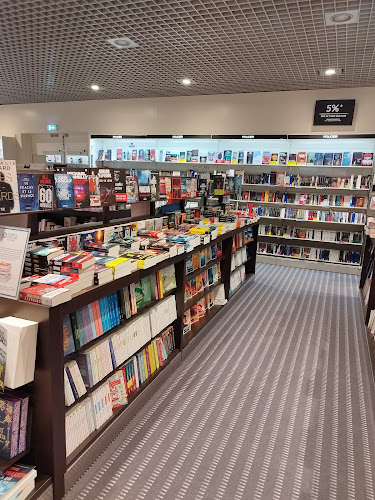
(48, 447)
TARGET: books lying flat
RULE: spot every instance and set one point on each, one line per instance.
(148, 258)
(45, 295)
(17, 482)
(78, 260)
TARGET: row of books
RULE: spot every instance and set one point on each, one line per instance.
(14, 414)
(283, 179)
(200, 259)
(97, 408)
(17, 482)
(325, 200)
(238, 241)
(312, 215)
(91, 321)
(96, 362)
(319, 254)
(237, 277)
(200, 308)
(238, 258)
(310, 234)
(345, 158)
(201, 281)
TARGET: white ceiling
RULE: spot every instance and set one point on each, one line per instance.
(53, 50)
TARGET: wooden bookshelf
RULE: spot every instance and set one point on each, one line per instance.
(48, 432)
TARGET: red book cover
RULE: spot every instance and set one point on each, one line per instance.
(158, 341)
(97, 318)
(34, 293)
(64, 283)
(84, 260)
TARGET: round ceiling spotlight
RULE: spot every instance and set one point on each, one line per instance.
(95, 87)
(186, 81)
(343, 17)
(122, 43)
(330, 72)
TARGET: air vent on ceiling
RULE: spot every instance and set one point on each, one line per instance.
(343, 17)
(122, 43)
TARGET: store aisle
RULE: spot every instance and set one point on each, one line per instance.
(276, 403)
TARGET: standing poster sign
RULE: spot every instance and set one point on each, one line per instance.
(13, 244)
(334, 112)
(9, 200)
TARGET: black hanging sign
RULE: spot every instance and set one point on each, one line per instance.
(334, 112)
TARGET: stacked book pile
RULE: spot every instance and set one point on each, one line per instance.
(17, 482)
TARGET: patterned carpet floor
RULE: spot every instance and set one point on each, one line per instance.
(276, 403)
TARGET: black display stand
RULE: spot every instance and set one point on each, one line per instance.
(48, 430)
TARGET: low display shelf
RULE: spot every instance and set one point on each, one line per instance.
(49, 401)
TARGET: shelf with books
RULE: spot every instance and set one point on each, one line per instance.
(308, 242)
(211, 263)
(197, 326)
(248, 277)
(5, 463)
(195, 298)
(305, 259)
(304, 189)
(70, 459)
(304, 206)
(307, 169)
(334, 226)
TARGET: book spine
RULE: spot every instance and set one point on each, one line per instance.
(113, 357)
(84, 365)
(71, 381)
(92, 321)
(74, 322)
(23, 425)
(149, 371)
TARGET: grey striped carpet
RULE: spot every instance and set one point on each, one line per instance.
(277, 403)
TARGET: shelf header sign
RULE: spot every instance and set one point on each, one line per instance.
(334, 112)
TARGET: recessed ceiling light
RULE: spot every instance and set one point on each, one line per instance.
(95, 87)
(344, 17)
(187, 81)
(122, 43)
(331, 72)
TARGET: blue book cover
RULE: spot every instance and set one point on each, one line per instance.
(64, 191)
(328, 159)
(28, 193)
(84, 365)
(87, 323)
(346, 159)
(116, 308)
(103, 314)
(144, 177)
(92, 321)
(113, 357)
(68, 339)
(318, 159)
(257, 157)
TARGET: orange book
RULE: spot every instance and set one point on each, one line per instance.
(97, 318)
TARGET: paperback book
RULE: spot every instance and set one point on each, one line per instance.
(28, 194)
(9, 201)
(64, 191)
(46, 192)
(107, 187)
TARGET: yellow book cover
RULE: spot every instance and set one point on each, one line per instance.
(116, 262)
(160, 285)
(156, 357)
(266, 196)
(145, 362)
(199, 230)
(274, 159)
(151, 358)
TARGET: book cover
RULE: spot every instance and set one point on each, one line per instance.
(144, 184)
(227, 156)
(3, 354)
(131, 189)
(211, 156)
(274, 159)
(241, 155)
(106, 186)
(176, 188)
(68, 339)
(188, 293)
(301, 158)
(318, 159)
(367, 159)
(27, 191)
(257, 157)
(310, 159)
(357, 158)
(249, 158)
(234, 157)
(81, 190)
(94, 190)
(187, 322)
(337, 159)
(346, 159)
(266, 158)
(218, 184)
(46, 192)
(194, 156)
(154, 186)
(182, 157)
(292, 159)
(219, 157)
(283, 158)
(64, 191)
(10, 414)
(9, 200)
(328, 159)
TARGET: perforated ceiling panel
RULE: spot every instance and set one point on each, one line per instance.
(53, 50)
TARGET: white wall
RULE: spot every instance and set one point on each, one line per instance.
(262, 113)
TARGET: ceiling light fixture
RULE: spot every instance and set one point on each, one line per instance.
(344, 17)
(186, 81)
(330, 72)
(95, 87)
(122, 43)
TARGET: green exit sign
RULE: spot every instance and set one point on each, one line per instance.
(51, 127)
